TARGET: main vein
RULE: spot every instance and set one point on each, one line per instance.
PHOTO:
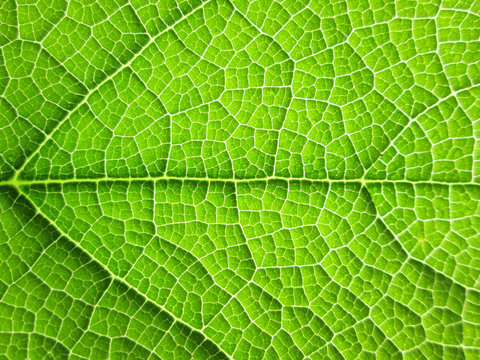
(15, 182)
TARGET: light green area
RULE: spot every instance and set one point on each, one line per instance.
(240, 179)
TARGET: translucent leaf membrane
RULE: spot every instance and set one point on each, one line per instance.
(257, 264)
(57, 301)
(224, 92)
(260, 179)
(436, 223)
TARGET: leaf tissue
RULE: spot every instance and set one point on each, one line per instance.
(240, 179)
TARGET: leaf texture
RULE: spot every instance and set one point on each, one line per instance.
(226, 179)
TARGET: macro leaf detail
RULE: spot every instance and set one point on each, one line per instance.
(239, 179)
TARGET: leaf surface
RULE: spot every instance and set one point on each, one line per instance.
(239, 179)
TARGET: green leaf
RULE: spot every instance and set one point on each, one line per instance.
(260, 179)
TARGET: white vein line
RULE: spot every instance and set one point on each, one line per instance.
(21, 182)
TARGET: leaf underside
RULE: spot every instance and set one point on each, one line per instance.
(239, 179)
